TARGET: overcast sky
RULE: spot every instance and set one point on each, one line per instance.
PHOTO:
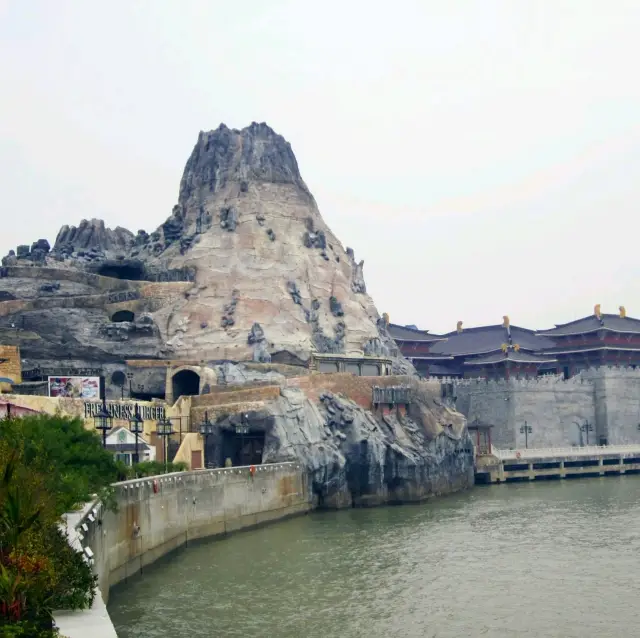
(482, 157)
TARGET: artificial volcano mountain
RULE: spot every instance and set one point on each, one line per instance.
(244, 268)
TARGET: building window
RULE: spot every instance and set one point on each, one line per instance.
(327, 367)
(353, 368)
(370, 370)
(125, 458)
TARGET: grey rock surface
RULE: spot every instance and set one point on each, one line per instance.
(246, 234)
(356, 458)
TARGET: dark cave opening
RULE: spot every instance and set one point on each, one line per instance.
(122, 315)
(185, 383)
(242, 449)
(131, 270)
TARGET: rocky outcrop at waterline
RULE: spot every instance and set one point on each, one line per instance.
(355, 455)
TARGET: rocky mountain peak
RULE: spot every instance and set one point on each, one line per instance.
(227, 160)
(246, 267)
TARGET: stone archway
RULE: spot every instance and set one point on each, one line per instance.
(185, 383)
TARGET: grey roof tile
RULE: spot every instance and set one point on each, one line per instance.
(510, 355)
(404, 333)
(487, 339)
(615, 323)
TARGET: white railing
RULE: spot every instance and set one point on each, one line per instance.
(587, 450)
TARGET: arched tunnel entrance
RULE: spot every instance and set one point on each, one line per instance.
(122, 315)
(185, 383)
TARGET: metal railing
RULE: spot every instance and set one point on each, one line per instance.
(586, 450)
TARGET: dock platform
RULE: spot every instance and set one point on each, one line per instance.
(503, 466)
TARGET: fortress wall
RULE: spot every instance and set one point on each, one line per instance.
(555, 413)
(617, 393)
(606, 397)
(553, 407)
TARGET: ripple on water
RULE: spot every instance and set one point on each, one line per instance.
(554, 559)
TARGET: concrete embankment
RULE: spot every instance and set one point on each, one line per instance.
(158, 515)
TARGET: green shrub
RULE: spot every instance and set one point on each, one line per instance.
(47, 466)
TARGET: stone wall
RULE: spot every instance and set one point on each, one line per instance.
(358, 389)
(608, 399)
(11, 368)
(617, 392)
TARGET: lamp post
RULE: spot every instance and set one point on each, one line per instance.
(586, 428)
(164, 428)
(242, 429)
(526, 430)
(136, 426)
(206, 430)
(103, 421)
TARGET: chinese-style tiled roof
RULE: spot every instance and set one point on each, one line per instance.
(444, 370)
(487, 339)
(613, 323)
(405, 333)
(560, 349)
(510, 355)
(428, 356)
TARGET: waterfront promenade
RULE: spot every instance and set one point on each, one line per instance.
(549, 463)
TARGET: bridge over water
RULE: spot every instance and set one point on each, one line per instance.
(531, 464)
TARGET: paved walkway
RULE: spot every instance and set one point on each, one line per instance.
(587, 450)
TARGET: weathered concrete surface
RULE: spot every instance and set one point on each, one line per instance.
(186, 507)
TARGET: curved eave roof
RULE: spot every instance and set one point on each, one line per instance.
(510, 356)
(579, 349)
(402, 333)
(485, 340)
(426, 357)
(586, 325)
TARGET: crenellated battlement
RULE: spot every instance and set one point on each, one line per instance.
(584, 377)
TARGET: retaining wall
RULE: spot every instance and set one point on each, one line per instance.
(157, 516)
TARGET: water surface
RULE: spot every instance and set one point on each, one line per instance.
(557, 558)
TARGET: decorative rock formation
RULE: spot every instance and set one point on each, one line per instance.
(357, 458)
(222, 278)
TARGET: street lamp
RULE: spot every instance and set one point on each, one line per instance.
(164, 428)
(103, 421)
(206, 430)
(526, 430)
(242, 428)
(136, 426)
(586, 428)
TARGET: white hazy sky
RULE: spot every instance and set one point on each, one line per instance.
(482, 157)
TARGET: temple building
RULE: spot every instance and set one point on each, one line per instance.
(597, 340)
(504, 351)
(415, 345)
(495, 352)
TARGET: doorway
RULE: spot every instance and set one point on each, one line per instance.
(242, 449)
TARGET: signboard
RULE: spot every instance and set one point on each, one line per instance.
(125, 411)
(74, 387)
